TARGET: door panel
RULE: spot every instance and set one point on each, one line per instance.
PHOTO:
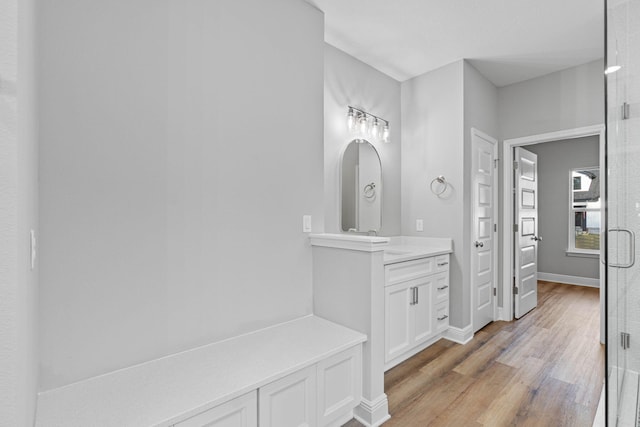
(397, 319)
(482, 239)
(526, 258)
(423, 325)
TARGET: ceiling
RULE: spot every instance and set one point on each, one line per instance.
(508, 41)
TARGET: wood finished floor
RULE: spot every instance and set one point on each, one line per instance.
(546, 369)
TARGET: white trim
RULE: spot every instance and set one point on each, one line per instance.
(496, 238)
(373, 413)
(507, 204)
(583, 254)
(500, 314)
(570, 280)
(458, 335)
(354, 242)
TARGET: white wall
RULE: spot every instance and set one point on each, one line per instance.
(432, 145)
(555, 161)
(566, 99)
(349, 81)
(181, 146)
(18, 214)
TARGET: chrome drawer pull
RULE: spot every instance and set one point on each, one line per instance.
(443, 288)
(440, 264)
(443, 317)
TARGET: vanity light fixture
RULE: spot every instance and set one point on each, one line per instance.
(367, 125)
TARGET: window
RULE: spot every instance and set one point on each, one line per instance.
(584, 211)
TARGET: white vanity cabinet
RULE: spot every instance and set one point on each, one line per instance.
(239, 412)
(416, 306)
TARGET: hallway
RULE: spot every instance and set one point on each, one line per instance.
(545, 369)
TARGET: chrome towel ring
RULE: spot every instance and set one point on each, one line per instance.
(441, 186)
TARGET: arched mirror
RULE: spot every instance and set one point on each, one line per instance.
(361, 182)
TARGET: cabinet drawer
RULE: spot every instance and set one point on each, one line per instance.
(442, 262)
(239, 412)
(441, 288)
(395, 273)
(442, 316)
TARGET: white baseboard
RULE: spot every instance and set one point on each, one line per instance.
(459, 335)
(500, 314)
(373, 413)
(570, 280)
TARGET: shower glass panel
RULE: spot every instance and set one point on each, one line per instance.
(623, 211)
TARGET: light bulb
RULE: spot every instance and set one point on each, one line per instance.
(385, 133)
(351, 121)
(375, 129)
(612, 69)
(363, 124)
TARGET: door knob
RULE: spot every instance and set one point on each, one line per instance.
(479, 244)
(536, 238)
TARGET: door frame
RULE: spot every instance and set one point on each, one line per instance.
(508, 211)
(496, 211)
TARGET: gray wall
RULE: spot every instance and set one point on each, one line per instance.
(432, 145)
(181, 146)
(566, 99)
(555, 161)
(18, 214)
(349, 81)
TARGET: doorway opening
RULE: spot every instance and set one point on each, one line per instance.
(510, 239)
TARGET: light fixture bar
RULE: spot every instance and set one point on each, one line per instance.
(352, 108)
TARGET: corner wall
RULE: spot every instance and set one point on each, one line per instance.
(181, 146)
(18, 213)
(349, 81)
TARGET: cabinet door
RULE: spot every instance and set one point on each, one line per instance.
(339, 386)
(239, 412)
(290, 401)
(423, 311)
(397, 319)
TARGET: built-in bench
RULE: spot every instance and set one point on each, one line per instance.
(309, 355)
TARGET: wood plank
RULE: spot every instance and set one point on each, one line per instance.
(545, 369)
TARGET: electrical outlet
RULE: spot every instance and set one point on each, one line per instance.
(419, 225)
(306, 223)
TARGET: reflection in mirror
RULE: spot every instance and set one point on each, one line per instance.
(361, 188)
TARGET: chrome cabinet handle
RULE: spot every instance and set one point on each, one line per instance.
(443, 317)
(413, 296)
(479, 244)
(416, 293)
(632, 247)
(443, 288)
(440, 264)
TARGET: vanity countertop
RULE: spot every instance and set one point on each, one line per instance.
(406, 248)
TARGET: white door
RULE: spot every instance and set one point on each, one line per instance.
(483, 230)
(526, 247)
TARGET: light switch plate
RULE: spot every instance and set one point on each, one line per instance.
(419, 225)
(306, 223)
